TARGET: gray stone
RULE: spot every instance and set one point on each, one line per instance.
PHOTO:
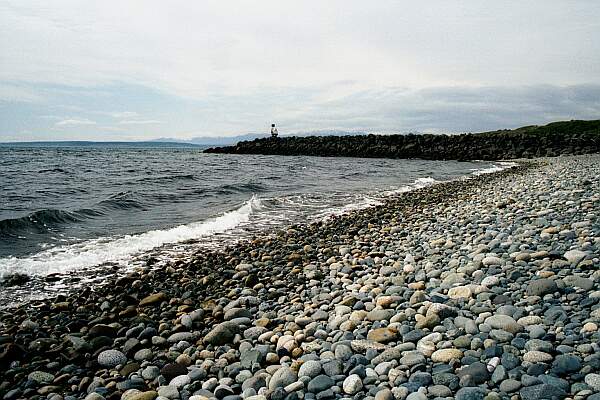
(470, 393)
(352, 384)
(574, 256)
(509, 386)
(237, 313)
(578, 281)
(384, 394)
(111, 358)
(504, 322)
(282, 377)
(181, 336)
(416, 396)
(170, 392)
(249, 358)
(150, 373)
(310, 368)
(219, 335)
(411, 358)
(541, 287)
(40, 377)
(439, 391)
(180, 381)
(593, 380)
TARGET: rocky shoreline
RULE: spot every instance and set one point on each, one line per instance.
(558, 138)
(471, 289)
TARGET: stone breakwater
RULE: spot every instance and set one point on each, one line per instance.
(573, 137)
(478, 289)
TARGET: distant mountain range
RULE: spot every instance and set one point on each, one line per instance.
(83, 143)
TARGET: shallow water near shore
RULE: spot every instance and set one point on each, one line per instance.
(71, 210)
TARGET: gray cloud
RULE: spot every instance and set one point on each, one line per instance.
(454, 109)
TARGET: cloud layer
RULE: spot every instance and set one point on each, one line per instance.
(142, 69)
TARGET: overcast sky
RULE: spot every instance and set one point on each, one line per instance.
(130, 70)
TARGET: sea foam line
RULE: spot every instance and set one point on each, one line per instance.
(499, 166)
(116, 250)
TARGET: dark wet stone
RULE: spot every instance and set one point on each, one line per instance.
(278, 394)
(414, 335)
(501, 299)
(478, 372)
(554, 314)
(554, 381)
(102, 330)
(537, 369)
(493, 351)
(101, 341)
(11, 352)
(255, 382)
(325, 394)
(320, 383)
(359, 370)
(423, 379)
(411, 386)
(509, 361)
(147, 333)
(222, 391)
(446, 379)
(16, 279)
(170, 371)
(129, 368)
(518, 342)
(542, 392)
(566, 364)
(131, 346)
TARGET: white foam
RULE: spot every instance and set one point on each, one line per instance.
(417, 184)
(117, 250)
(422, 182)
(361, 204)
(500, 166)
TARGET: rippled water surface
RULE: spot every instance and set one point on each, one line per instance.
(67, 209)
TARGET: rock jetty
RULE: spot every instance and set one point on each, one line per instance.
(487, 288)
(569, 137)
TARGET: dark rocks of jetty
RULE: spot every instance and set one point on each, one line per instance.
(565, 137)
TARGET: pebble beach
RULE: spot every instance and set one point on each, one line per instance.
(481, 288)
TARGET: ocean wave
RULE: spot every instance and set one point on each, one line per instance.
(43, 220)
(248, 187)
(53, 170)
(121, 201)
(117, 250)
(168, 178)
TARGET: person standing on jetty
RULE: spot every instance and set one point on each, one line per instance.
(274, 132)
